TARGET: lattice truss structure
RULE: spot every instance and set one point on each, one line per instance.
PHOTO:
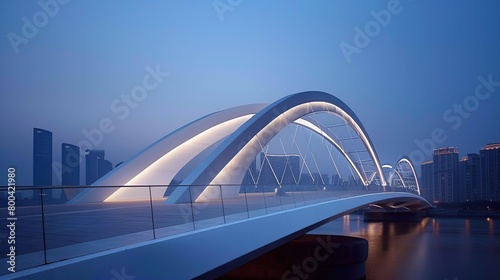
(403, 176)
(319, 149)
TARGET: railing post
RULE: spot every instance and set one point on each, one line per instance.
(302, 192)
(43, 227)
(293, 196)
(222, 204)
(264, 197)
(246, 201)
(152, 215)
(192, 209)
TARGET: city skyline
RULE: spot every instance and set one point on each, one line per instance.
(448, 178)
(91, 73)
(75, 159)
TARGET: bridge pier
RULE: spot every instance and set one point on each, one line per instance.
(309, 257)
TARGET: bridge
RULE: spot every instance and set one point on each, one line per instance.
(231, 185)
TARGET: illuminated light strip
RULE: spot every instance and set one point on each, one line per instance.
(175, 160)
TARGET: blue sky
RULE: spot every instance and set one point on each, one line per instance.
(418, 72)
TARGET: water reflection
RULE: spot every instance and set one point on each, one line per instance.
(491, 226)
(435, 248)
(435, 227)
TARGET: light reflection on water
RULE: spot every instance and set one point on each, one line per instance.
(435, 248)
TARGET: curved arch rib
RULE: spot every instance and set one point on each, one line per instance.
(405, 159)
(229, 162)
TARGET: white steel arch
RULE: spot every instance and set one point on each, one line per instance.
(230, 160)
(405, 181)
(242, 131)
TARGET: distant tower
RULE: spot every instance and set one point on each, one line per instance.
(96, 165)
(70, 173)
(469, 178)
(42, 158)
(70, 158)
(490, 172)
(446, 186)
(427, 170)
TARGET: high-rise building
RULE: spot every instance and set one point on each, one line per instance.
(490, 172)
(42, 158)
(279, 169)
(445, 180)
(70, 159)
(469, 178)
(426, 183)
(96, 166)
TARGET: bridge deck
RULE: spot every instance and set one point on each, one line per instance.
(77, 230)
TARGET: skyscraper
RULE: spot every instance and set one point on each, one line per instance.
(42, 158)
(427, 170)
(445, 180)
(469, 178)
(96, 165)
(490, 172)
(70, 171)
(70, 159)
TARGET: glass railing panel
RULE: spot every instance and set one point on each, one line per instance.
(272, 196)
(234, 203)
(287, 197)
(21, 228)
(323, 194)
(309, 193)
(298, 195)
(255, 200)
(171, 218)
(207, 206)
(75, 229)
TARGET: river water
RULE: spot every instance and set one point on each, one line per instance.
(435, 248)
